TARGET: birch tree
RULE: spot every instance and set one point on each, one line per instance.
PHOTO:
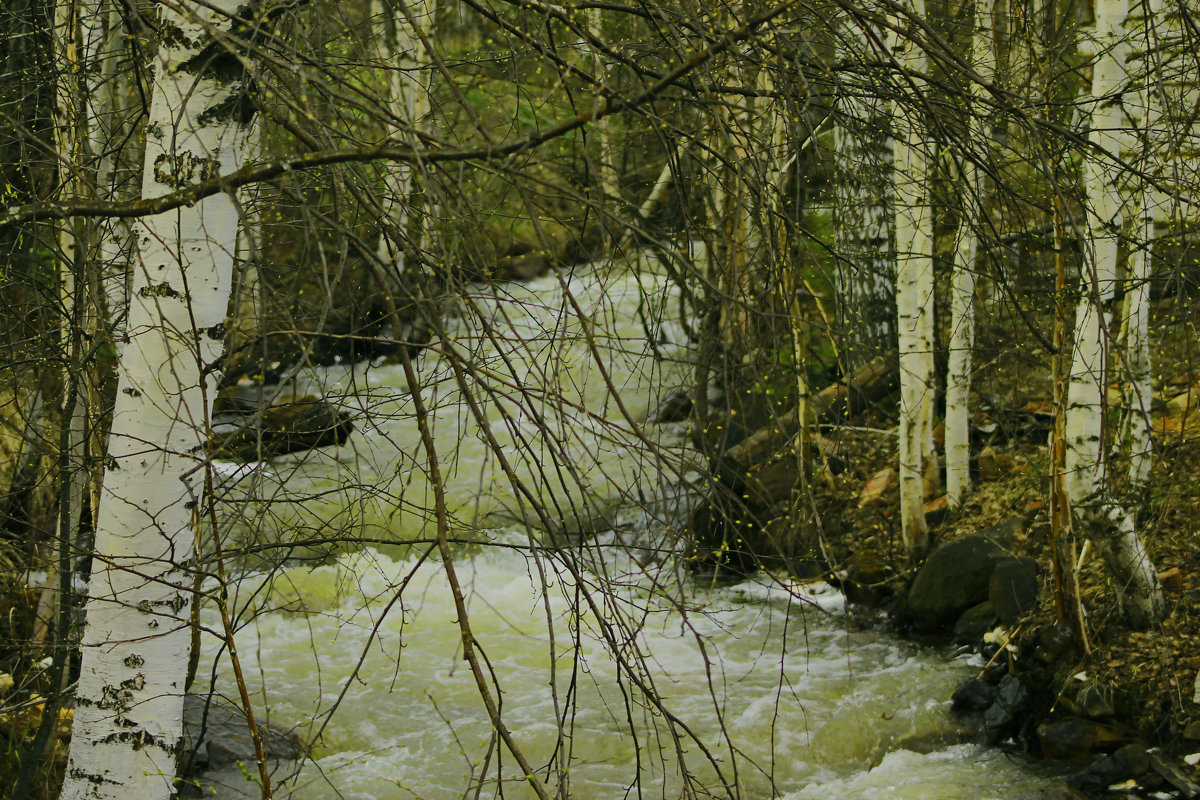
(1147, 203)
(1098, 515)
(129, 701)
(962, 285)
(405, 29)
(914, 299)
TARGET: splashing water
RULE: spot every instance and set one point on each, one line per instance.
(618, 675)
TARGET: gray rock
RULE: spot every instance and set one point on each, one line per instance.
(975, 622)
(953, 578)
(1059, 790)
(1013, 588)
(215, 734)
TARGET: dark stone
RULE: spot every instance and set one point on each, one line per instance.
(1192, 730)
(1013, 589)
(675, 407)
(215, 734)
(974, 623)
(973, 695)
(953, 578)
(522, 268)
(243, 430)
(1061, 790)
(1128, 762)
(1073, 737)
(1003, 718)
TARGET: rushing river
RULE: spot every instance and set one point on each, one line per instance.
(617, 673)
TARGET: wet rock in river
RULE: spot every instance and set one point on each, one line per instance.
(1073, 737)
(216, 734)
(249, 424)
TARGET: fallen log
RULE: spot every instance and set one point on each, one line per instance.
(837, 402)
(755, 479)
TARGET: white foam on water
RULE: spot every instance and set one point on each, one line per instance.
(750, 669)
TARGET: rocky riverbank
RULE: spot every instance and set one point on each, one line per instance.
(1119, 707)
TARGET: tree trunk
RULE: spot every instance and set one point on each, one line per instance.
(1096, 512)
(962, 284)
(129, 701)
(409, 106)
(914, 303)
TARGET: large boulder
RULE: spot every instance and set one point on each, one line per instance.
(955, 577)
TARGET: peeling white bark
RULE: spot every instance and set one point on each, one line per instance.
(914, 303)
(129, 701)
(1097, 514)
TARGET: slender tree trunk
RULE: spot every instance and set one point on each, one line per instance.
(401, 51)
(129, 701)
(606, 160)
(1097, 514)
(914, 302)
(962, 283)
(1136, 428)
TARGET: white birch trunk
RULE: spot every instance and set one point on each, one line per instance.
(402, 52)
(962, 283)
(129, 701)
(607, 160)
(864, 270)
(1096, 512)
(1135, 338)
(1137, 429)
(914, 303)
